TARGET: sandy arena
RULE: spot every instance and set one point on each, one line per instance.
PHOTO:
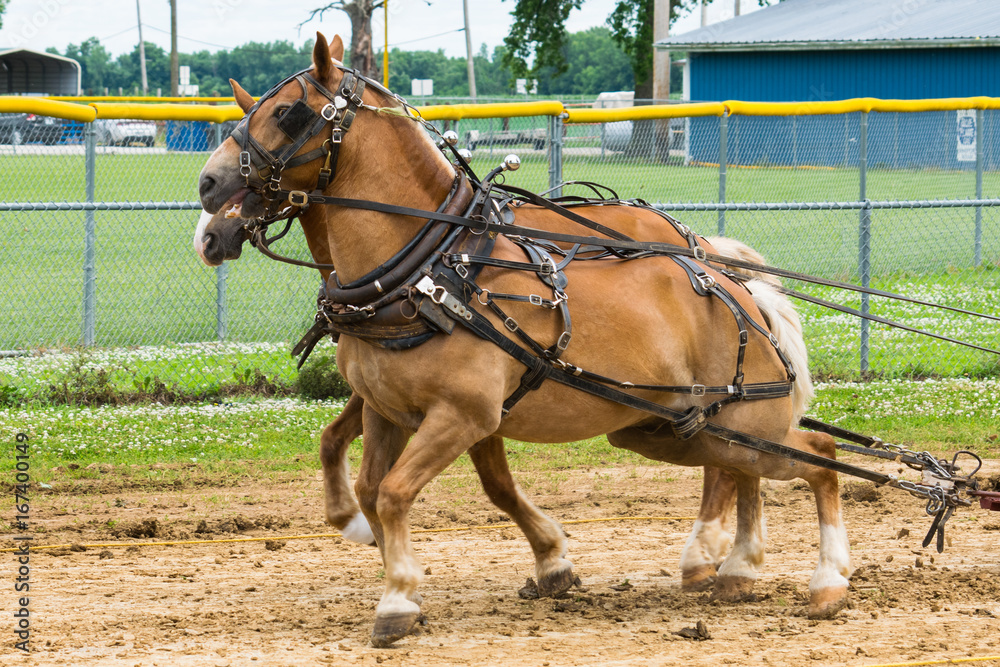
(311, 601)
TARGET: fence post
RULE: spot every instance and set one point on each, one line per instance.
(218, 135)
(221, 315)
(555, 155)
(89, 238)
(864, 237)
(723, 159)
(980, 139)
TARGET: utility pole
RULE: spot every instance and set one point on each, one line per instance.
(661, 57)
(736, 7)
(142, 52)
(704, 13)
(174, 62)
(385, 52)
(468, 52)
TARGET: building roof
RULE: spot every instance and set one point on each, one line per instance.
(24, 71)
(845, 24)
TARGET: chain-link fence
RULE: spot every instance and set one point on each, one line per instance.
(99, 220)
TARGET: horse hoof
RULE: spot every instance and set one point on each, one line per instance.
(556, 583)
(733, 589)
(697, 579)
(826, 602)
(392, 627)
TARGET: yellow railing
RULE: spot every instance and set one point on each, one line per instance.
(130, 108)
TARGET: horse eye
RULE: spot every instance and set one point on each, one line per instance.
(280, 111)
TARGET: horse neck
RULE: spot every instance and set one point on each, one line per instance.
(383, 159)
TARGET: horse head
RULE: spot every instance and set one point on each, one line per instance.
(326, 129)
(266, 153)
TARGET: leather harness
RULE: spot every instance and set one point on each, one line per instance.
(428, 287)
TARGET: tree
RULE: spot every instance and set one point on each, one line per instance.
(539, 29)
(3, 8)
(360, 13)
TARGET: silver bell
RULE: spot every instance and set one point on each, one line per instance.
(465, 153)
(450, 137)
(511, 163)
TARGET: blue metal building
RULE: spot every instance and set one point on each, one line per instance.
(821, 50)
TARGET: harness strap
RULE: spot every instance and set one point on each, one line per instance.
(482, 327)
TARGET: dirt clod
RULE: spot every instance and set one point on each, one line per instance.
(699, 633)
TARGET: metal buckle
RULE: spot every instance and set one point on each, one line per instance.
(328, 112)
(563, 341)
(534, 300)
(245, 169)
(298, 198)
(462, 270)
(698, 390)
(337, 136)
(707, 281)
(699, 253)
(511, 324)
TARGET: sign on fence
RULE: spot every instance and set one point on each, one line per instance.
(966, 119)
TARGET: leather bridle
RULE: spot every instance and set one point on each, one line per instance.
(300, 123)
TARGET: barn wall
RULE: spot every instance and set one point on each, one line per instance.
(921, 140)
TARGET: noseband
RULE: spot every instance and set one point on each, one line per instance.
(300, 123)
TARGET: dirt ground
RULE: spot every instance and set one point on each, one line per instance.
(311, 601)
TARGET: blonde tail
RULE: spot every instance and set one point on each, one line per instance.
(781, 318)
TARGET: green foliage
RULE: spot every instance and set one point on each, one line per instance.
(539, 28)
(3, 8)
(319, 378)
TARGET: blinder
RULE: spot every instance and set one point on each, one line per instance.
(296, 119)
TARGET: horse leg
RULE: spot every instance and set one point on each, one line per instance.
(709, 539)
(340, 507)
(739, 571)
(546, 536)
(440, 440)
(828, 587)
(383, 443)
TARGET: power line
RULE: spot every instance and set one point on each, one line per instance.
(420, 39)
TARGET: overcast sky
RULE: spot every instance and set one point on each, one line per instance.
(215, 24)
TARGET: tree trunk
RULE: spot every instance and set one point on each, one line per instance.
(362, 53)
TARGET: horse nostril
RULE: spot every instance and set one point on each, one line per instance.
(206, 186)
(207, 241)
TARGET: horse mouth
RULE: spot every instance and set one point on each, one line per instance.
(234, 205)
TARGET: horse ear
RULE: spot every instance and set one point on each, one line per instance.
(321, 58)
(337, 49)
(243, 98)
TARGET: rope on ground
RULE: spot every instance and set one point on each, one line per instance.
(314, 536)
(949, 661)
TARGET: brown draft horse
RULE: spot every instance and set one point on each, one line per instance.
(709, 539)
(637, 320)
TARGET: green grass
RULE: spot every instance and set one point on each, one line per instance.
(153, 291)
(267, 437)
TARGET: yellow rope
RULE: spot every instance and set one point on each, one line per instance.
(313, 536)
(950, 661)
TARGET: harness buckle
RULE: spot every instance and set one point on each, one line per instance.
(563, 341)
(707, 281)
(328, 112)
(462, 270)
(699, 253)
(698, 390)
(534, 299)
(298, 198)
(337, 135)
(245, 169)
(511, 324)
